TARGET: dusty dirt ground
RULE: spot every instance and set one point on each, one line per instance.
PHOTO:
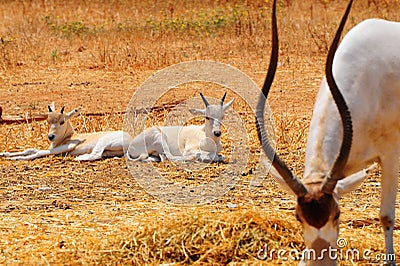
(59, 211)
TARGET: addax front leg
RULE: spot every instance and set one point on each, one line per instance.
(209, 157)
(110, 145)
(22, 153)
(390, 171)
(37, 154)
(33, 153)
(219, 158)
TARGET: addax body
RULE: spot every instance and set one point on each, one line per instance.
(183, 143)
(367, 71)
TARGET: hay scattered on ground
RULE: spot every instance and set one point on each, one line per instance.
(95, 54)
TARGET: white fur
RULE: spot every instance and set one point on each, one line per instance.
(366, 68)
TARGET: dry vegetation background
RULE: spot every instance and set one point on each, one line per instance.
(95, 54)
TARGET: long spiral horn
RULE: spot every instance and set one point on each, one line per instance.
(291, 180)
(336, 172)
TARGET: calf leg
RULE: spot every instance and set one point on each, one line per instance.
(112, 144)
(209, 157)
(41, 153)
(146, 146)
(37, 154)
(21, 153)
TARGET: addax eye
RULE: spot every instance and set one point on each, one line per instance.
(297, 217)
(336, 216)
(62, 123)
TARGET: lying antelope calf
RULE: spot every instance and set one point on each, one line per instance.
(183, 143)
(64, 140)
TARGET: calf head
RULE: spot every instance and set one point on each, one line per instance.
(60, 127)
(213, 115)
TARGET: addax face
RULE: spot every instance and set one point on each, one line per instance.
(319, 213)
(58, 126)
(214, 115)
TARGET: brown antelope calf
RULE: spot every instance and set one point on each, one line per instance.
(354, 124)
(64, 140)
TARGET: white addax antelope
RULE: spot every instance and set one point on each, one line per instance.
(183, 143)
(363, 80)
(64, 140)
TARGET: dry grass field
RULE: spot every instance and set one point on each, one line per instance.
(95, 54)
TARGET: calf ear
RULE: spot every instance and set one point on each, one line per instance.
(51, 107)
(226, 106)
(74, 112)
(194, 111)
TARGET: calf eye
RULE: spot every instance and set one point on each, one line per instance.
(207, 118)
(62, 123)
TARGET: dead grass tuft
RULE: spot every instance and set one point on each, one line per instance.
(201, 238)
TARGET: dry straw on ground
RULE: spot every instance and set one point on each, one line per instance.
(94, 54)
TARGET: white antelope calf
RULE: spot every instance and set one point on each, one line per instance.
(183, 143)
(64, 140)
(363, 80)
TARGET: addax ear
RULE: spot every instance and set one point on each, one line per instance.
(51, 107)
(74, 112)
(226, 106)
(194, 111)
(351, 182)
(278, 178)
